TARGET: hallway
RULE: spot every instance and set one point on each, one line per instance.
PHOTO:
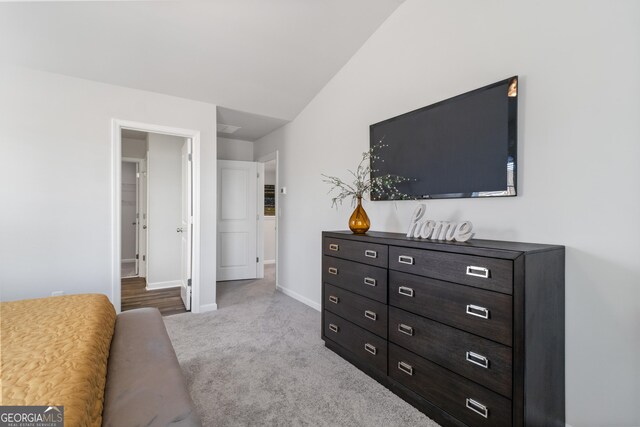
(239, 291)
(134, 295)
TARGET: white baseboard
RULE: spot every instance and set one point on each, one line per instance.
(129, 260)
(269, 261)
(298, 297)
(208, 307)
(164, 285)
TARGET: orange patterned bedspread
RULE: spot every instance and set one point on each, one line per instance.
(54, 351)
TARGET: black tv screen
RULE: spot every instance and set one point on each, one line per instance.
(464, 146)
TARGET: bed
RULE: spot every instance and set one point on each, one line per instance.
(105, 369)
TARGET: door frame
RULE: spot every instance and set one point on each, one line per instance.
(274, 155)
(117, 125)
(186, 205)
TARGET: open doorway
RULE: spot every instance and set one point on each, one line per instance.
(154, 273)
(234, 288)
(157, 220)
(130, 218)
(270, 220)
(133, 202)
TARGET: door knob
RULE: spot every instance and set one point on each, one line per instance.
(179, 229)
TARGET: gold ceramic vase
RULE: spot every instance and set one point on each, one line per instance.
(359, 222)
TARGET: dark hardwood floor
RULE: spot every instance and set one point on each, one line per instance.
(134, 295)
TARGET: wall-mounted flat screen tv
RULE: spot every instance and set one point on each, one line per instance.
(461, 147)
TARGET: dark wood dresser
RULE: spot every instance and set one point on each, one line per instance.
(472, 333)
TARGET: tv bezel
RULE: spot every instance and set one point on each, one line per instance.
(512, 144)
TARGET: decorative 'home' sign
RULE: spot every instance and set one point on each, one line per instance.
(438, 230)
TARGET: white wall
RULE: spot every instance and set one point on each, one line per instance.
(134, 148)
(269, 178)
(269, 239)
(57, 236)
(579, 133)
(164, 183)
(128, 196)
(235, 149)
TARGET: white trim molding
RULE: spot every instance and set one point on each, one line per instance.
(163, 285)
(117, 126)
(275, 155)
(208, 307)
(298, 297)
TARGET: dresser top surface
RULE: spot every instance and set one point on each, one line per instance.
(498, 248)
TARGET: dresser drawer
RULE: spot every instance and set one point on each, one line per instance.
(486, 273)
(362, 311)
(355, 277)
(480, 312)
(486, 362)
(465, 400)
(366, 346)
(367, 253)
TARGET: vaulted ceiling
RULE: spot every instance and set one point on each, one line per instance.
(264, 57)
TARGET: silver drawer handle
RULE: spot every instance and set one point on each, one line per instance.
(370, 315)
(405, 329)
(333, 270)
(334, 247)
(478, 311)
(371, 349)
(478, 407)
(472, 270)
(406, 368)
(477, 359)
(370, 254)
(369, 281)
(405, 259)
(333, 299)
(407, 292)
(333, 327)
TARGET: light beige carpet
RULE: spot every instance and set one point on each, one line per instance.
(259, 360)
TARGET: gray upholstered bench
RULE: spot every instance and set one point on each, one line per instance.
(145, 385)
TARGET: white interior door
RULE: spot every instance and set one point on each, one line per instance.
(186, 226)
(129, 247)
(237, 220)
(142, 218)
(137, 220)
